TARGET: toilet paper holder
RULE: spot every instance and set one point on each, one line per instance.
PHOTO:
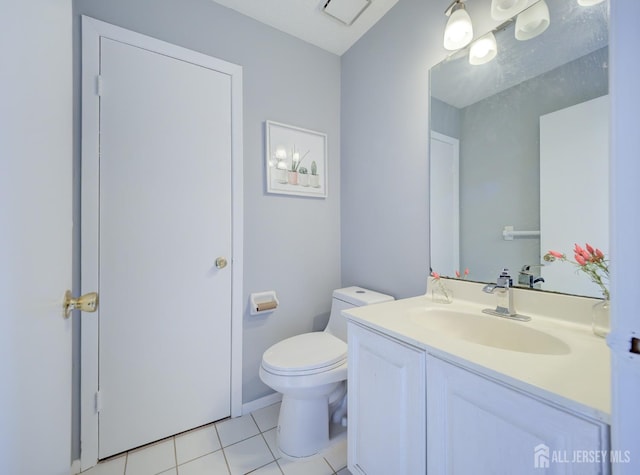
(263, 302)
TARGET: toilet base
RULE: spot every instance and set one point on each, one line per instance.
(337, 436)
(303, 423)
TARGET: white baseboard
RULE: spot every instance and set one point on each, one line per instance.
(259, 403)
(75, 467)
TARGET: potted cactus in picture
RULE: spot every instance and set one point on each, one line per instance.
(314, 179)
(296, 160)
(303, 176)
(293, 171)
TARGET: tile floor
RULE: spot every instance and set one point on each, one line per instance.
(233, 446)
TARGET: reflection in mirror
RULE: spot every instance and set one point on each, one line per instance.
(522, 142)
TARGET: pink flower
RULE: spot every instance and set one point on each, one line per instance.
(458, 274)
(435, 275)
(466, 271)
(580, 260)
(590, 261)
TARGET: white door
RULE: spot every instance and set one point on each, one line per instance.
(35, 237)
(164, 220)
(574, 151)
(624, 77)
(445, 210)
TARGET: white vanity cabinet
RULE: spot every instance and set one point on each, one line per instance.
(412, 412)
(387, 407)
(481, 426)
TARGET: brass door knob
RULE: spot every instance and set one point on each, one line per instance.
(221, 263)
(86, 303)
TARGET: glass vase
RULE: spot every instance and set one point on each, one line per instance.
(601, 318)
(440, 293)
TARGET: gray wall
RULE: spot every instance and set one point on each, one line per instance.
(444, 118)
(385, 236)
(385, 130)
(500, 166)
(291, 244)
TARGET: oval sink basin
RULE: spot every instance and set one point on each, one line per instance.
(487, 330)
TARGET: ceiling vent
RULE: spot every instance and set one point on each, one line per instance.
(345, 11)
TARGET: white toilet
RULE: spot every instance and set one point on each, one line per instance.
(310, 370)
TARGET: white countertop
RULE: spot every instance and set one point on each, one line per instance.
(579, 379)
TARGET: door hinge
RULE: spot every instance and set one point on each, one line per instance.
(635, 346)
(98, 401)
(99, 85)
(625, 345)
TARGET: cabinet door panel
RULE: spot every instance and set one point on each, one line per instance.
(479, 426)
(386, 405)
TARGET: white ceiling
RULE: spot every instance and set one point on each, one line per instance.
(305, 19)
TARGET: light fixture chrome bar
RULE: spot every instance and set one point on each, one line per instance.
(449, 10)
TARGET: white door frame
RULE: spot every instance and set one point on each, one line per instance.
(92, 31)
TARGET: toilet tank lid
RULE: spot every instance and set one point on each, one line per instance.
(359, 296)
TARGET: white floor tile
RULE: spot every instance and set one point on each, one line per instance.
(313, 466)
(235, 430)
(267, 417)
(271, 469)
(196, 443)
(110, 467)
(248, 455)
(336, 455)
(211, 464)
(152, 459)
(246, 450)
(270, 437)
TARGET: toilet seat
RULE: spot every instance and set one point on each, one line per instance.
(308, 353)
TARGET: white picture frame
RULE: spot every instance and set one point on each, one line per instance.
(290, 152)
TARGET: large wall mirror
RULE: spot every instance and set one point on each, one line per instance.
(519, 151)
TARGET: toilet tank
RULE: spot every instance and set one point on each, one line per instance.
(346, 298)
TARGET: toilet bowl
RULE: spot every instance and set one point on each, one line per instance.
(310, 370)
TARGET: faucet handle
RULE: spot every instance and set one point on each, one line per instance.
(504, 279)
(527, 277)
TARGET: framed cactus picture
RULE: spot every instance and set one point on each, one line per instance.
(296, 160)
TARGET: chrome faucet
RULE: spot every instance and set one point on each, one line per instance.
(504, 284)
(527, 278)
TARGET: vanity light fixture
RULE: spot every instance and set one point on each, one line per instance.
(505, 9)
(483, 50)
(459, 31)
(533, 21)
(588, 3)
